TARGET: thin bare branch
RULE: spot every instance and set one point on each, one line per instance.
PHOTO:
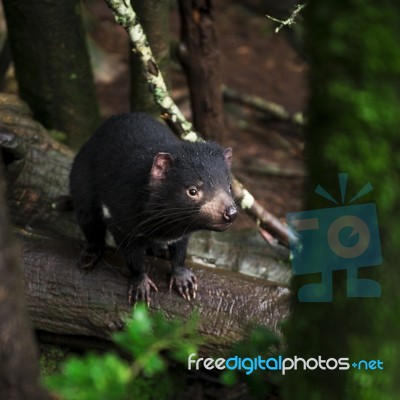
(290, 21)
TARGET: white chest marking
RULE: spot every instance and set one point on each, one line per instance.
(168, 242)
(106, 212)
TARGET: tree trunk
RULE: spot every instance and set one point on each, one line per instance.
(52, 65)
(200, 57)
(353, 127)
(154, 17)
(63, 299)
(19, 366)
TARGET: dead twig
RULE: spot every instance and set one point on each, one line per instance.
(290, 21)
(263, 105)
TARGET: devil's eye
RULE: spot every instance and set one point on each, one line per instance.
(192, 191)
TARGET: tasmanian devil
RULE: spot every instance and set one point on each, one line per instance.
(134, 178)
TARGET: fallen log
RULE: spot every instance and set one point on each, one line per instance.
(63, 299)
(36, 170)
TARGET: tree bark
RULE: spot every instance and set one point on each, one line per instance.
(63, 299)
(19, 366)
(154, 17)
(200, 57)
(52, 65)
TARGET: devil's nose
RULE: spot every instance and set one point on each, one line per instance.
(230, 214)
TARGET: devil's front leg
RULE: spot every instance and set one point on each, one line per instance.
(140, 284)
(184, 279)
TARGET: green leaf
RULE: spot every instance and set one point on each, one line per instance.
(154, 364)
(228, 378)
(92, 378)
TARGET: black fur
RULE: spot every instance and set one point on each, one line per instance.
(132, 177)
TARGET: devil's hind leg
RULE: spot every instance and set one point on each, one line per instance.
(94, 229)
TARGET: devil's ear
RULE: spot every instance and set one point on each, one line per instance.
(161, 164)
(228, 156)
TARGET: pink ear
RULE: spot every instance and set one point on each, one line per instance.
(161, 163)
(228, 156)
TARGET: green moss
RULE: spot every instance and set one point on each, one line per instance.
(58, 135)
(51, 359)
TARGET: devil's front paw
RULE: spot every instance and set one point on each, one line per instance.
(185, 282)
(140, 289)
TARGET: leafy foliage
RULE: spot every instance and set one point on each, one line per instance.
(260, 342)
(149, 339)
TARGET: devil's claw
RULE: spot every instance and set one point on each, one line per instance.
(140, 289)
(88, 259)
(185, 282)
